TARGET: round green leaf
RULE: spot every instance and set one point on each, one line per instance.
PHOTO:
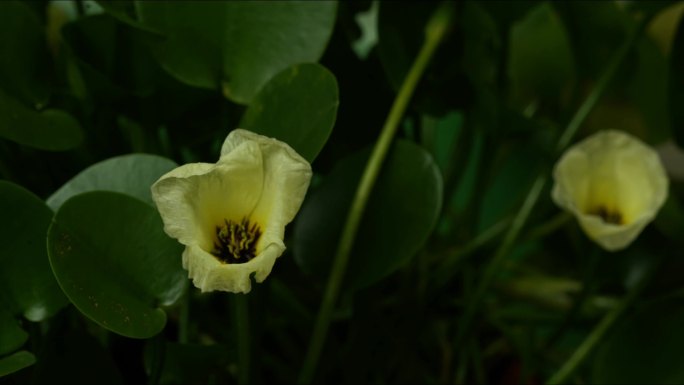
(645, 348)
(16, 362)
(237, 46)
(298, 106)
(402, 210)
(131, 174)
(115, 263)
(25, 275)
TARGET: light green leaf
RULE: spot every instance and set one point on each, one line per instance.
(237, 46)
(400, 215)
(115, 263)
(298, 106)
(131, 174)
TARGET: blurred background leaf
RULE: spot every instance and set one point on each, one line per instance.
(401, 213)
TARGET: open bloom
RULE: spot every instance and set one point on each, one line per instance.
(613, 183)
(231, 215)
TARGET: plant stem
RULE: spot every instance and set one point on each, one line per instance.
(597, 334)
(184, 317)
(242, 328)
(492, 269)
(434, 33)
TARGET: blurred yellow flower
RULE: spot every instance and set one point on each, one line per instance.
(231, 215)
(614, 184)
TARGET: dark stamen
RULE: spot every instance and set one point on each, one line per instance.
(608, 216)
(236, 242)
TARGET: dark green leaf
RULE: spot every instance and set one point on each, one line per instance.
(52, 129)
(25, 275)
(23, 54)
(399, 217)
(237, 46)
(16, 362)
(298, 106)
(190, 363)
(541, 64)
(12, 336)
(645, 348)
(114, 261)
(131, 174)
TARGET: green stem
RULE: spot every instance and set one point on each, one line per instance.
(549, 226)
(434, 33)
(580, 116)
(242, 329)
(184, 317)
(597, 334)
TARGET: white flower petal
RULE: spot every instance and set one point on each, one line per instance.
(612, 173)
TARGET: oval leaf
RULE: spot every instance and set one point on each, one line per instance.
(114, 261)
(237, 46)
(25, 275)
(131, 174)
(399, 217)
(298, 106)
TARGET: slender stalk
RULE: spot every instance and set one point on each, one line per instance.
(242, 329)
(580, 116)
(596, 335)
(184, 317)
(434, 33)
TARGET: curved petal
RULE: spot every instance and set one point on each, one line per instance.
(611, 172)
(208, 274)
(194, 199)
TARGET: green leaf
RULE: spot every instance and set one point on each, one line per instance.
(399, 217)
(115, 263)
(16, 362)
(237, 46)
(131, 174)
(541, 64)
(644, 348)
(25, 275)
(23, 54)
(51, 129)
(298, 106)
(12, 336)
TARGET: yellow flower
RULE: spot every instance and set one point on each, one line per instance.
(231, 215)
(614, 184)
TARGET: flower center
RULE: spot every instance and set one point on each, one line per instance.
(236, 242)
(608, 216)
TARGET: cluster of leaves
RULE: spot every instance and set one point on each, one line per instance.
(99, 100)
